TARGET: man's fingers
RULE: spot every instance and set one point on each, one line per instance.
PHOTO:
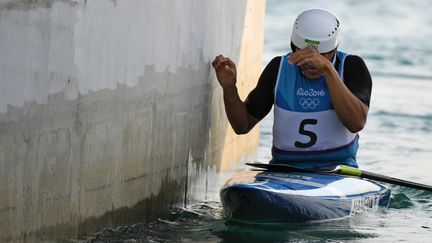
(295, 59)
(224, 65)
(228, 69)
(298, 57)
(303, 61)
(218, 61)
(217, 58)
(230, 63)
(225, 61)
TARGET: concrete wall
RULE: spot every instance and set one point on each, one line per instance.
(110, 112)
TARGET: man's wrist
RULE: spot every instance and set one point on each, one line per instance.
(329, 69)
(230, 87)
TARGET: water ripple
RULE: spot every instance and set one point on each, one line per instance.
(386, 113)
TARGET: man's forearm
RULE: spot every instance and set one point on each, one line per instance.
(236, 110)
(350, 110)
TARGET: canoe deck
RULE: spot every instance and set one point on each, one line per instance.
(263, 196)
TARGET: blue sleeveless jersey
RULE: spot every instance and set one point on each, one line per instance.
(306, 130)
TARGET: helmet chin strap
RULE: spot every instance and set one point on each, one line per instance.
(334, 58)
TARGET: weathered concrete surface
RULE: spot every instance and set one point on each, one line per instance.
(110, 112)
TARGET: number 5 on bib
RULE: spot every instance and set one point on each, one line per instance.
(310, 134)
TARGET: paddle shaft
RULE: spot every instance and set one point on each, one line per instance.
(396, 181)
(344, 170)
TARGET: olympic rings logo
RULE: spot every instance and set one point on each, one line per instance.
(309, 103)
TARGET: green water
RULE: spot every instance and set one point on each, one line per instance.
(404, 220)
(204, 223)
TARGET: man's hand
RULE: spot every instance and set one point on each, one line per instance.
(309, 57)
(226, 72)
(236, 110)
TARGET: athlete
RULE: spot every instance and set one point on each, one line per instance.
(320, 95)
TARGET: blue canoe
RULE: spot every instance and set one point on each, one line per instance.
(275, 197)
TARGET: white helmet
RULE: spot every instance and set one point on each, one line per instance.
(317, 28)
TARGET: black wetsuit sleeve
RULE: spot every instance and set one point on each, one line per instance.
(357, 78)
(260, 100)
